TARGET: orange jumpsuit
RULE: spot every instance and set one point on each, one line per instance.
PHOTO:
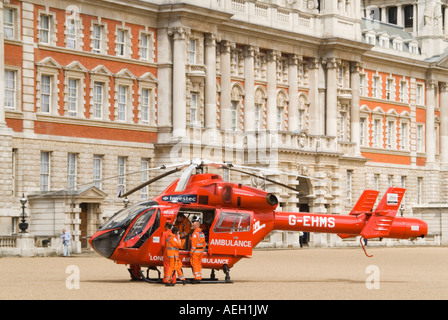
(172, 248)
(184, 227)
(166, 260)
(196, 252)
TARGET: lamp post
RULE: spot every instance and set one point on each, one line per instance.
(23, 225)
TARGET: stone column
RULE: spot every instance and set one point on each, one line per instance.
(226, 85)
(210, 82)
(180, 36)
(165, 87)
(249, 87)
(293, 81)
(444, 125)
(430, 132)
(331, 98)
(271, 104)
(314, 111)
(354, 115)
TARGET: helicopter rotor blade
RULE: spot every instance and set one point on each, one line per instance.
(161, 176)
(183, 181)
(265, 178)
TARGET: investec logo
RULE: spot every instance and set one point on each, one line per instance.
(183, 198)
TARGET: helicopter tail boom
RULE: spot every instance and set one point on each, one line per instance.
(362, 221)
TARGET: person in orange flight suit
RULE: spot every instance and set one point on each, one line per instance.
(197, 248)
(173, 245)
(166, 260)
(184, 226)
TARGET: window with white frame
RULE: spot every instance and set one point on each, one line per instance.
(349, 186)
(390, 89)
(146, 106)
(9, 23)
(144, 166)
(362, 131)
(234, 115)
(121, 43)
(420, 137)
(98, 98)
(145, 47)
(404, 136)
(44, 171)
(46, 85)
(419, 190)
(376, 133)
(403, 91)
(194, 108)
(376, 87)
(123, 97)
(71, 33)
(97, 170)
(121, 183)
(10, 89)
(390, 134)
(362, 85)
(73, 98)
(192, 51)
(71, 170)
(97, 38)
(419, 95)
(45, 26)
(397, 45)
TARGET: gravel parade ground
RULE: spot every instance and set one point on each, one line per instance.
(394, 273)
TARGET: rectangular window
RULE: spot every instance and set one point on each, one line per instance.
(45, 93)
(8, 23)
(194, 108)
(403, 136)
(146, 98)
(71, 170)
(73, 97)
(122, 102)
(234, 115)
(362, 126)
(121, 43)
(121, 175)
(349, 186)
(390, 134)
(45, 171)
(389, 89)
(257, 116)
(10, 89)
(97, 35)
(362, 79)
(45, 24)
(376, 133)
(419, 97)
(144, 177)
(98, 88)
(232, 222)
(144, 47)
(419, 138)
(375, 87)
(403, 93)
(97, 171)
(419, 190)
(192, 51)
(71, 34)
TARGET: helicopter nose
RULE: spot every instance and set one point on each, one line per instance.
(105, 242)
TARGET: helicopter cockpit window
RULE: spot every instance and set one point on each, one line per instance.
(140, 224)
(232, 222)
(125, 216)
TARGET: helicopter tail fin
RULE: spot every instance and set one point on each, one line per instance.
(365, 202)
(380, 222)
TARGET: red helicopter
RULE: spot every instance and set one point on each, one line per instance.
(235, 218)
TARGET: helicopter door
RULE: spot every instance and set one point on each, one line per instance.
(231, 233)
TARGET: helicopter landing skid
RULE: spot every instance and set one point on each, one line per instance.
(212, 278)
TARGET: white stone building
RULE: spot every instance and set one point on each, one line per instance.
(352, 92)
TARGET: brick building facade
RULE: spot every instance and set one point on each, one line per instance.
(351, 92)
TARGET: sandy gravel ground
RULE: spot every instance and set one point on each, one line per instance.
(392, 273)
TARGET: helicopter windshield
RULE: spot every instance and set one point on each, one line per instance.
(123, 217)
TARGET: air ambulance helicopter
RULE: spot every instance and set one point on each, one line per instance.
(236, 218)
